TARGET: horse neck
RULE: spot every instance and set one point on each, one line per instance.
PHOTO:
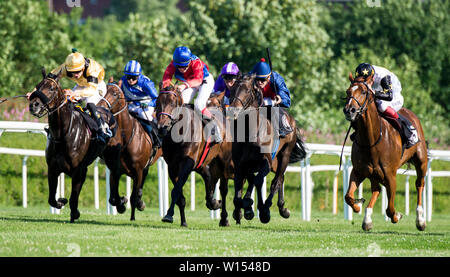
(368, 126)
(59, 121)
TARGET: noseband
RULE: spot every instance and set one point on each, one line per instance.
(46, 101)
(116, 102)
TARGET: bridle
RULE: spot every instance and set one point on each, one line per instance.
(46, 101)
(171, 116)
(116, 102)
(363, 109)
(255, 95)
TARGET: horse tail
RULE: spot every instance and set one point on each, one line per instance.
(299, 151)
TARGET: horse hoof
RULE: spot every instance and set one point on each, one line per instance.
(74, 216)
(123, 200)
(141, 206)
(367, 226)
(63, 201)
(285, 213)
(121, 209)
(264, 216)
(184, 224)
(397, 216)
(237, 215)
(421, 225)
(224, 223)
(249, 214)
(168, 219)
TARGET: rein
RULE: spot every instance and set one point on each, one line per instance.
(110, 106)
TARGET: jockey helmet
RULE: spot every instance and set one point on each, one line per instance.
(230, 69)
(261, 69)
(182, 56)
(364, 69)
(74, 61)
(132, 68)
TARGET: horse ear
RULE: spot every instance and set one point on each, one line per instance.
(119, 83)
(350, 77)
(369, 79)
(43, 72)
(111, 79)
(221, 96)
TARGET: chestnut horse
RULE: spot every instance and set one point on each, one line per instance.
(136, 150)
(378, 152)
(260, 153)
(189, 152)
(70, 145)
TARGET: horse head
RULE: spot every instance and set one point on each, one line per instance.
(359, 96)
(47, 96)
(169, 99)
(245, 94)
(114, 99)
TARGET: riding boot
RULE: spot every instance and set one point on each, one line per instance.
(156, 141)
(285, 127)
(103, 131)
(215, 131)
(408, 130)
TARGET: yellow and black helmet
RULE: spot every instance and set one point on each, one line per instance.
(75, 61)
(364, 69)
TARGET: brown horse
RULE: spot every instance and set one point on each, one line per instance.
(261, 152)
(70, 145)
(185, 149)
(136, 150)
(378, 152)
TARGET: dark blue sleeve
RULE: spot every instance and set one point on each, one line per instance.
(282, 90)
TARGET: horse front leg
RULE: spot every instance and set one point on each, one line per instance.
(247, 202)
(78, 179)
(114, 197)
(237, 201)
(391, 185)
(223, 193)
(354, 183)
(264, 210)
(277, 185)
(186, 167)
(52, 187)
(210, 187)
(375, 187)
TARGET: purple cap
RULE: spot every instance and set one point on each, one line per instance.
(230, 68)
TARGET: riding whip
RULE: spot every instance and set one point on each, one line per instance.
(10, 98)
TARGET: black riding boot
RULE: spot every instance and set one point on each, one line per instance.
(103, 131)
(409, 132)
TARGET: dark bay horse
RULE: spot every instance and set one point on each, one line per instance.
(135, 149)
(185, 149)
(378, 152)
(70, 145)
(261, 152)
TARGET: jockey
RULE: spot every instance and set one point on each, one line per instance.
(90, 87)
(196, 80)
(275, 92)
(388, 96)
(141, 93)
(226, 80)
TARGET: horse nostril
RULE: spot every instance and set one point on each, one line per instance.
(353, 110)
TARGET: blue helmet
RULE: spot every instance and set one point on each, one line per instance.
(182, 56)
(261, 69)
(132, 68)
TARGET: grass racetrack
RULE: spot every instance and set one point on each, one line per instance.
(34, 232)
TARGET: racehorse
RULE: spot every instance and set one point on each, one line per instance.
(377, 152)
(70, 145)
(262, 152)
(190, 152)
(136, 150)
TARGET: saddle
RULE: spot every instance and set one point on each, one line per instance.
(91, 123)
(401, 125)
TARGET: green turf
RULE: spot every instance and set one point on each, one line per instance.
(35, 232)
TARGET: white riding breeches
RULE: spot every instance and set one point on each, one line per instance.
(201, 93)
(396, 103)
(101, 90)
(146, 114)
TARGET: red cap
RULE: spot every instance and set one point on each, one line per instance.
(263, 60)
